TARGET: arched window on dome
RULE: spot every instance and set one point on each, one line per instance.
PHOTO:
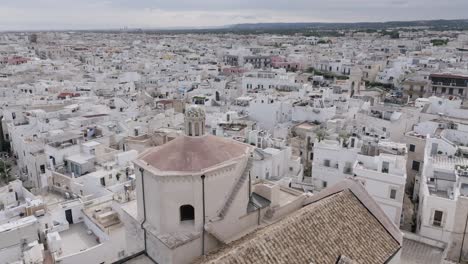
(197, 129)
(187, 213)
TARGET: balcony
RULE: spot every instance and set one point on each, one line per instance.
(441, 185)
(373, 171)
(446, 194)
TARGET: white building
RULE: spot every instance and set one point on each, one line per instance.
(380, 167)
(273, 160)
(269, 80)
(316, 110)
(269, 111)
(443, 195)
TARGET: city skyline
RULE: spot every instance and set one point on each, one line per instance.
(220, 132)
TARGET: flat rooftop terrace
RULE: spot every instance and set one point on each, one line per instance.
(286, 197)
(77, 239)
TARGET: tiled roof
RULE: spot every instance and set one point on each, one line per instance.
(337, 224)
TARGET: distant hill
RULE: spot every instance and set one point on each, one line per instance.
(306, 28)
(318, 29)
(434, 24)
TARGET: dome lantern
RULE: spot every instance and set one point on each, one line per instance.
(194, 121)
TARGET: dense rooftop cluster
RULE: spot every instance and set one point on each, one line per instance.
(131, 147)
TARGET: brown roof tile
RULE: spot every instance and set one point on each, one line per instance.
(337, 224)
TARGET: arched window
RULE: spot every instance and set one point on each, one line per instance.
(190, 128)
(187, 213)
(197, 129)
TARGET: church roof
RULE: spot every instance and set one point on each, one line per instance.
(341, 224)
(194, 154)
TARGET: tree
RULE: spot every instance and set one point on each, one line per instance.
(5, 169)
(344, 136)
(439, 42)
(321, 134)
(393, 34)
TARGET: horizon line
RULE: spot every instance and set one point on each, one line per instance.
(194, 28)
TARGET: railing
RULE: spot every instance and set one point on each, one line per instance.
(236, 189)
(300, 171)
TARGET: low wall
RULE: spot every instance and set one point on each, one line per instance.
(91, 255)
(424, 240)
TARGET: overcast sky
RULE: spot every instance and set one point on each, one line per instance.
(105, 14)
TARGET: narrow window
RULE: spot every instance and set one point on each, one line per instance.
(197, 129)
(187, 213)
(415, 166)
(385, 166)
(438, 215)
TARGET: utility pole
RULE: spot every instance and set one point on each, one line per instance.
(203, 204)
(463, 239)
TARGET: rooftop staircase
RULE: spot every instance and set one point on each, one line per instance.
(236, 189)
